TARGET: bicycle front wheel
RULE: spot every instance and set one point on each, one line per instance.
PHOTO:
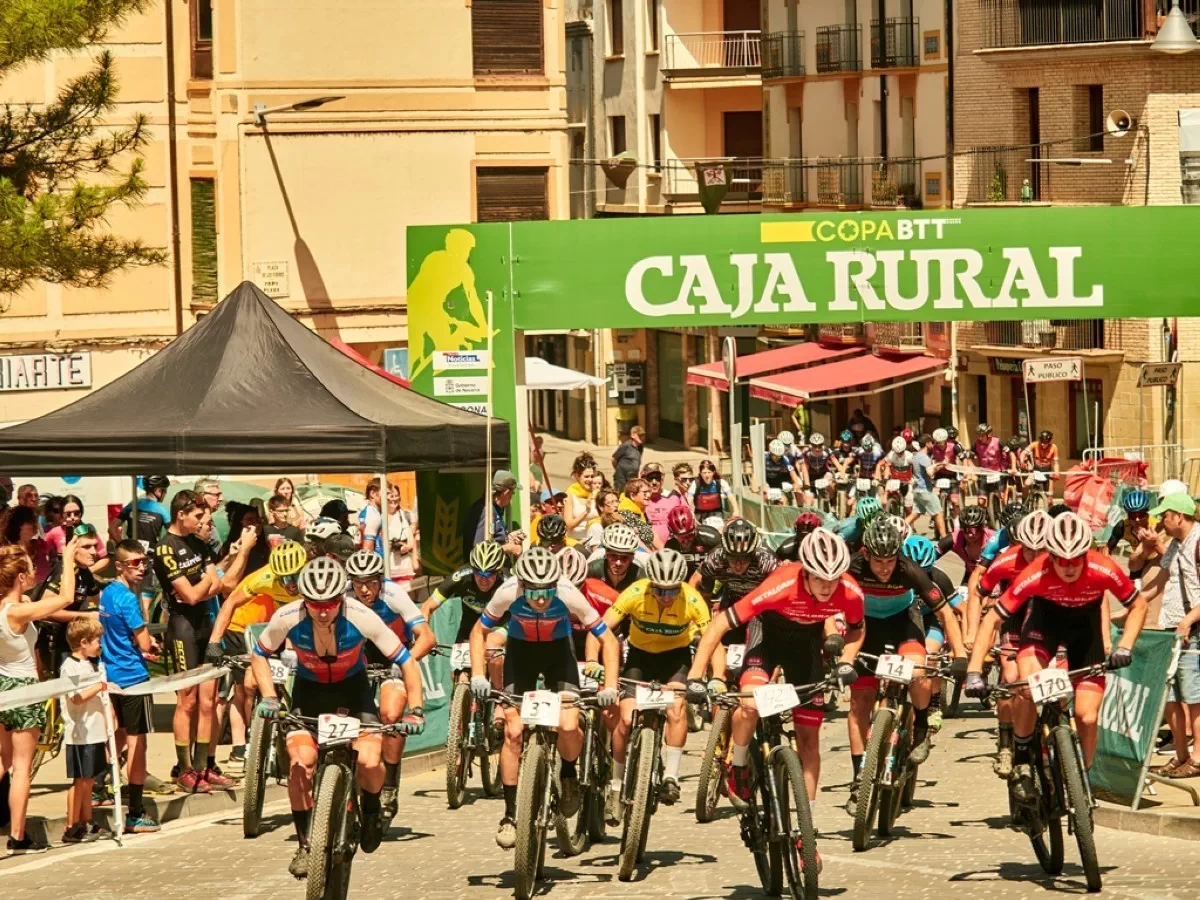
(457, 754)
(708, 791)
(254, 787)
(331, 798)
(531, 788)
(757, 828)
(1079, 803)
(799, 835)
(869, 791)
(637, 812)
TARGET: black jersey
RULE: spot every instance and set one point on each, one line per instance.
(716, 568)
(706, 540)
(461, 585)
(177, 556)
(598, 569)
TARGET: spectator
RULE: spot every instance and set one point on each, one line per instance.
(627, 458)
(52, 514)
(607, 501)
(1181, 612)
(52, 635)
(20, 727)
(209, 492)
(861, 424)
(925, 501)
(19, 526)
(710, 496)
(85, 730)
(632, 508)
(125, 645)
(369, 513)
(337, 511)
(504, 484)
(27, 495)
(402, 542)
(72, 516)
(661, 503)
(579, 507)
(296, 516)
(280, 528)
(241, 516)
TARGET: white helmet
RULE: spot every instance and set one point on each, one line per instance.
(574, 565)
(322, 579)
(787, 437)
(619, 538)
(824, 554)
(776, 447)
(899, 445)
(1172, 486)
(1069, 537)
(322, 530)
(665, 568)
(867, 442)
(537, 567)
(816, 439)
(940, 435)
(1032, 530)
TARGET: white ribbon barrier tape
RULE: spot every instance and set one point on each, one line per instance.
(180, 681)
(34, 694)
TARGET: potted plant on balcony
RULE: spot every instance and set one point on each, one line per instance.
(998, 187)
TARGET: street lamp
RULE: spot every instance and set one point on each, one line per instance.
(1175, 36)
(261, 111)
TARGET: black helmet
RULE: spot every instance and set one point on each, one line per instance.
(551, 528)
(1011, 515)
(983, 428)
(1045, 435)
(972, 517)
(885, 536)
(952, 433)
(335, 509)
(156, 482)
(740, 538)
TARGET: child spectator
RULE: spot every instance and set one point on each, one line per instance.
(85, 728)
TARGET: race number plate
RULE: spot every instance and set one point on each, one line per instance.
(772, 699)
(647, 698)
(993, 479)
(460, 657)
(1039, 477)
(541, 708)
(280, 672)
(863, 484)
(894, 668)
(1049, 685)
(943, 484)
(893, 484)
(735, 656)
(332, 727)
(588, 684)
(823, 483)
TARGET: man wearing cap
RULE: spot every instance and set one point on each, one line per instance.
(627, 458)
(504, 483)
(1181, 612)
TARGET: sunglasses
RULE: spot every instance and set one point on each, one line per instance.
(484, 573)
(323, 605)
(288, 582)
(82, 531)
(547, 593)
(135, 563)
(663, 593)
(1072, 562)
(619, 557)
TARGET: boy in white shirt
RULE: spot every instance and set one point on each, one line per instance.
(85, 729)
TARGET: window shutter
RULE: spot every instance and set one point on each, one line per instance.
(506, 37)
(511, 195)
(204, 241)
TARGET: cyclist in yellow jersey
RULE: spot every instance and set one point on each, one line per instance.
(254, 601)
(664, 612)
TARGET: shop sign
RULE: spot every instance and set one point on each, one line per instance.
(1158, 375)
(45, 371)
(1003, 365)
(1054, 368)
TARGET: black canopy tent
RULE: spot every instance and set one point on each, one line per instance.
(248, 390)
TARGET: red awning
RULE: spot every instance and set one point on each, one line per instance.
(793, 356)
(846, 377)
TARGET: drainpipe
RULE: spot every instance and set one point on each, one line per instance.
(949, 36)
(173, 165)
(883, 87)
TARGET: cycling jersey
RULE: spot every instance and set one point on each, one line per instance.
(598, 569)
(177, 556)
(1043, 458)
(777, 470)
(851, 530)
(707, 498)
(353, 628)
(885, 598)
(705, 540)
(1038, 579)
(784, 596)
(945, 454)
(152, 518)
(817, 463)
(956, 543)
(868, 460)
(989, 454)
(900, 465)
(1008, 565)
(655, 628)
(997, 542)
(397, 610)
(461, 585)
(551, 624)
(266, 594)
(716, 568)
(600, 595)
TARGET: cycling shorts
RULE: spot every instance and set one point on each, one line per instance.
(355, 695)
(665, 667)
(555, 661)
(187, 636)
(797, 649)
(903, 632)
(1049, 626)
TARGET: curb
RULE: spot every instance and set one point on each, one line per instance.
(173, 807)
(1161, 824)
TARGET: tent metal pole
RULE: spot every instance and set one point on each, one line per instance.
(133, 511)
(384, 538)
(487, 411)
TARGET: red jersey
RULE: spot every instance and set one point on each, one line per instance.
(1038, 579)
(600, 596)
(783, 592)
(1004, 571)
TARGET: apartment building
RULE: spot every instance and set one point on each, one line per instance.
(292, 146)
(854, 103)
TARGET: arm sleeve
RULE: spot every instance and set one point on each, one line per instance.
(271, 639)
(991, 549)
(993, 576)
(371, 523)
(708, 575)
(131, 611)
(946, 586)
(1024, 586)
(499, 604)
(375, 630)
(399, 602)
(853, 603)
(625, 599)
(580, 609)
(1118, 532)
(923, 585)
(773, 591)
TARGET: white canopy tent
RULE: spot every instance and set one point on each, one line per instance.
(543, 376)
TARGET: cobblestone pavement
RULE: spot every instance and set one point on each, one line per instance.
(952, 844)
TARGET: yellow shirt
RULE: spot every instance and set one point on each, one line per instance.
(654, 628)
(266, 595)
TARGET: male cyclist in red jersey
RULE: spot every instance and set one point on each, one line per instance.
(1067, 587)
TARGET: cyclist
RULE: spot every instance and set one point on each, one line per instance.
(614, 561)
(1030, 539)
(898, 464)
(922, 551)
(891, 585)
(740, 564)
(779, 473)
(552, 533)
(865, 512)
(787, 615)
(806, 523)
(694, 541)
(989, 455)
(1067, 586)
(663, 612)
(540, 605)
(1135, 530)
(318, 534)
(968, 541)
(391, 602)
(329, 632)
(814, 464)
(1042, 456)
(1001, 538)
(868, 456)
(1013, 454)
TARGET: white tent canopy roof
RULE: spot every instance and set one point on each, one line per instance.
(543, 376)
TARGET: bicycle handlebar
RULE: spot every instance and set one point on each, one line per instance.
(1010, 689)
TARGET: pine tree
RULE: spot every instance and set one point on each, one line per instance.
(62, 168)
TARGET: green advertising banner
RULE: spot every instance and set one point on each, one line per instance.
(435, 682)
(445, 499)
(1130, 714)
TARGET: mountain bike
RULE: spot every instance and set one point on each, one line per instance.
(50, 741)
(267, 756)
(333, 834)
(471, 738)
(1035, 494)
(1059, 775)
(777, 825)
(886, 781)
(893, 502)
(711, 784)
(594, 769)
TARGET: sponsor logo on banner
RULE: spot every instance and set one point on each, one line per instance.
(480, 409)
(460, 387)
(458, 360)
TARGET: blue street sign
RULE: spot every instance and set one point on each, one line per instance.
(395, 361)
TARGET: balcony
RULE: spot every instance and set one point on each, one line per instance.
(784, 182)
(894, 44)
(843, 335)
(680, 184)
(709, 54)
(783, 54)
(896, 182)
(1051, 334)
(1043, 23)
(840, 182)
(839, 48)
(899, 337)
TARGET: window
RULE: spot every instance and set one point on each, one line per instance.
(1084, 416)
(506, 37)
(981, 385)
(517, 194)
(616, 28)
(204, 241)
(202, 38)
(656, 141)
(1089, 118)
(651, 25)
(933, 187)
(1020, 416)
(616, 135)
(933, 44)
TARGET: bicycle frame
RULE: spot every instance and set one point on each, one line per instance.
(655, 719)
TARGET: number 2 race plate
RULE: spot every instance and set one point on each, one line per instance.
(735, 656)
